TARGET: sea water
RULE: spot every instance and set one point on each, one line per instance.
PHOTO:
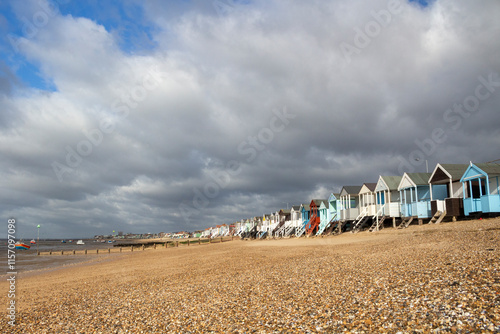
(28, 260)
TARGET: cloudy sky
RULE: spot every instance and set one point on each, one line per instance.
(145, 117)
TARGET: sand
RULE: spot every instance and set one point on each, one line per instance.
(424, 279)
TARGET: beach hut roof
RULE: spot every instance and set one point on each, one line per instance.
(295, 207)
(489, 168)
(444, 172)
(419, 178)
(388, 182)
(367, 187)
(350, 190)
(414, 179)
(324, 204)
(319, 201)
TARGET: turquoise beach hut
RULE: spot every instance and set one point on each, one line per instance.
(481, 182)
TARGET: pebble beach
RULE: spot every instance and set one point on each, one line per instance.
(424, 279)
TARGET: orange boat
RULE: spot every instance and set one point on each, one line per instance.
(21, 245)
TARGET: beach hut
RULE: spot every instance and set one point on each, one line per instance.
(305, 211)
(324, 216)
(333, 213)
(314, 219)
(349, 212)
(296, 220)
(452, 205)
(266, 224)
(482, 189)
(367, 206)
(274, 221)
(388, 198)
(285, 221)
(415, 197)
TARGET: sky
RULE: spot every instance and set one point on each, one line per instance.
(162, 116)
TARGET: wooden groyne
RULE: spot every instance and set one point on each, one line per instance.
(139, 245)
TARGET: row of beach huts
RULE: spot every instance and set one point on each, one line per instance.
(450, 192)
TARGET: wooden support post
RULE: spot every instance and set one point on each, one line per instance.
(454, 219)
(210, 240)
(142, 246)
(120, 249)
(188, 242)
(199, 241)
(154, 246)
(394, 222)
(85, 252)
(109, 250)
(177, 244)
(132, 248)
(221, 239)
(62, 252)
(73, 252)
(38, 253)
(420, 222)
(97, 251)
(50, 252)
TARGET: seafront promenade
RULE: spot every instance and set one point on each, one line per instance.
(433, 277)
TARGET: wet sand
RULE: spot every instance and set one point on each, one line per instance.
(420, 279)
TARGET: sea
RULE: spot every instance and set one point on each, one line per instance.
(27, 261)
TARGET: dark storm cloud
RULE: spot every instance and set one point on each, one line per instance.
(204, 104)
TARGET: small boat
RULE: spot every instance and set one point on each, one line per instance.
(80, 242)
(32, 241)
(20, 245)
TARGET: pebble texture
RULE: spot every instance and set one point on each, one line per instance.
(425, 279)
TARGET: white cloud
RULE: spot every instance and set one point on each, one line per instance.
(215, 82)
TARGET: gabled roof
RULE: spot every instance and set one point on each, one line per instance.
(388, 182)
(485, 169)
(325, 204)
(318, 202)
(489, 168)
(414, 179)
(350, 190)
(295, 207)
(367, 188)
(333, 195)
(444, 172)
(305, 207)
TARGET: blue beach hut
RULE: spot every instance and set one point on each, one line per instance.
(415, 195)
(305, 210)
(482, 189)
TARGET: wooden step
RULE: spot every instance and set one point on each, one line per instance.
(441, 217)
(435, 217)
